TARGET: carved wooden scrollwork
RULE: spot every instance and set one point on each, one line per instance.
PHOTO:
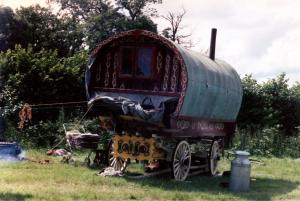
(167, 72)
(108, 61)
(114, 76)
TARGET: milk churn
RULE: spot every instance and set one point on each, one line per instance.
(240, 172)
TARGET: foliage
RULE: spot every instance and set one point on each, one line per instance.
(42, 29)
(269, 117)
(41, 77)
(281, 101)
(92, 125)
(101, 19)
(254, 110)
(41, 134)
(269, 104)
(100, 27)
(82, 10)
(138, 8)
(268, 142)
(7, 23)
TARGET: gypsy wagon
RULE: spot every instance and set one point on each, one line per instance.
(167, 104)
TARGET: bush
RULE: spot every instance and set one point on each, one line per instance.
(47, 133)
(40, 134)
(268, 142)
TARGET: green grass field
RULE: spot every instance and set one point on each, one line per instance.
(274, 179)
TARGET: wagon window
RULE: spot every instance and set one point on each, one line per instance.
(144, 61)
(127, 60)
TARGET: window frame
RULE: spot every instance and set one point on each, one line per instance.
(121, 62)
(135, 62)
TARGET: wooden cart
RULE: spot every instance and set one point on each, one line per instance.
(168, 104)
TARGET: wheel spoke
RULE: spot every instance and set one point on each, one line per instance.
(119, 164)
(214, 154)
(181, 161)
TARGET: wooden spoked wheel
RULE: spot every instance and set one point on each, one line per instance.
(181, 163)
(119, 164)
(214, 157)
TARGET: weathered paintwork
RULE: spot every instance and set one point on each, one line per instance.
(209, 91)
(214, 88)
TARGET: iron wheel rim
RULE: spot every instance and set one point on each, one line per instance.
(181, 163)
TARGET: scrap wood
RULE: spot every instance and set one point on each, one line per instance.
(43, 162)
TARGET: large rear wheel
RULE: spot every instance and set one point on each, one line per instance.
(181, 162)
(214, 157)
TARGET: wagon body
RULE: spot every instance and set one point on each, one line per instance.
(167, 104)
(158, 86)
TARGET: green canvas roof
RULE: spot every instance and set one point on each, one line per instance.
(214, 88)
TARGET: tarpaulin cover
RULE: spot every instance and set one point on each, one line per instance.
(131, 104)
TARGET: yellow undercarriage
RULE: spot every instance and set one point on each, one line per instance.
(136, 148)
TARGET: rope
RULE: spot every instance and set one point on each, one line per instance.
(36, 106)
(62, 103)
(90, 106)
(59, 143)
(75, 124)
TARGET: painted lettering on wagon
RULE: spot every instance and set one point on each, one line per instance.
(199, 125)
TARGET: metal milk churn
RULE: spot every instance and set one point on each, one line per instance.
(240, 172)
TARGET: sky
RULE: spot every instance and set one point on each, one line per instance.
(259, 37)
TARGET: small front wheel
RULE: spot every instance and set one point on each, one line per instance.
(118, 163)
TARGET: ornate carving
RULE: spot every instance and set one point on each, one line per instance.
(174, 75)
(114, 76)
(162, 41)
(158, 62)
(167, 72)
(108, 60)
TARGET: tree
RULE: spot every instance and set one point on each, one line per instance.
(254, 111)
(283, 105)
(82, 10)
(100, 27)
(39, 77)
(175, 27)
(41, 28)
(138, 8)
(295, 90)
(101, 19)
(6, 19)
(270, 104)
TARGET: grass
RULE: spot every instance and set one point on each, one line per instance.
(274, 179)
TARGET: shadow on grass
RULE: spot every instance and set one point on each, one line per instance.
(260, 188)
(14, 196)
